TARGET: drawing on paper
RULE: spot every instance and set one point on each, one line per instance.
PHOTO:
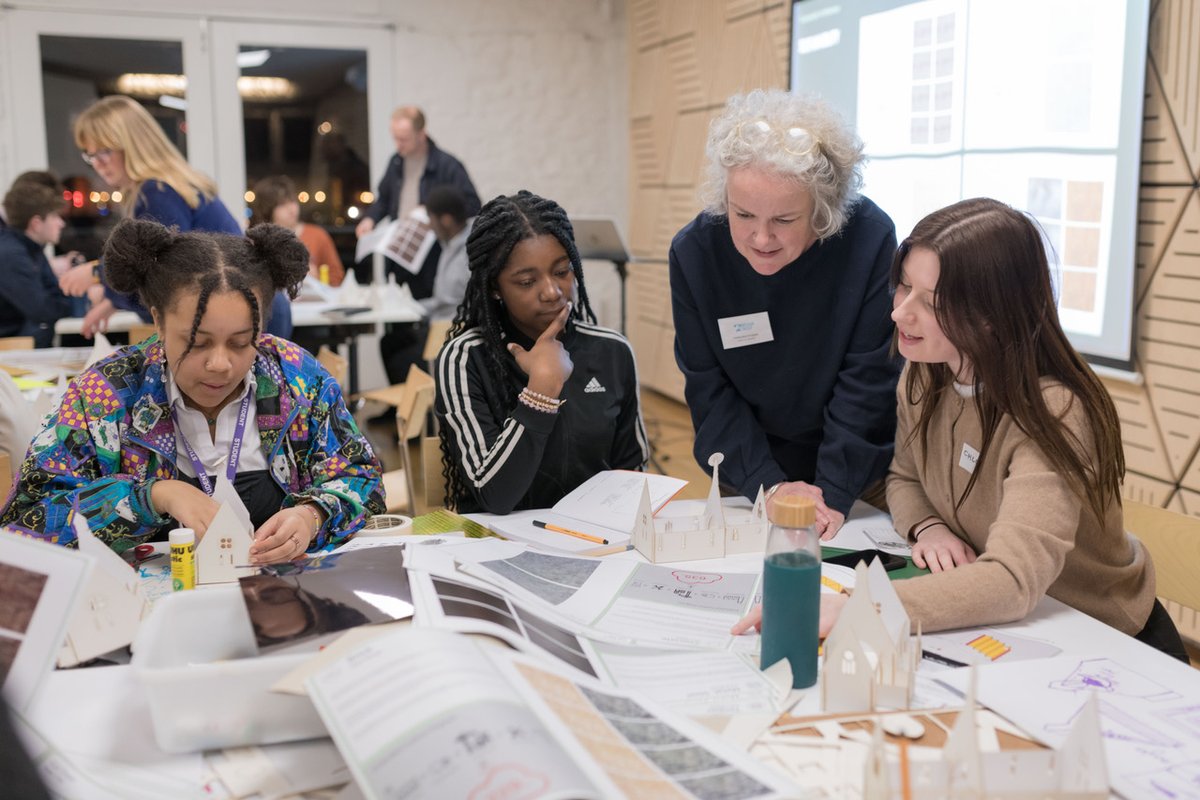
(699, 590)
(1187, 718)
(1178, 782)
(1120, 726)
(1106, 676)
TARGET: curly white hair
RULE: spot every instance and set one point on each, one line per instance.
(831, 171)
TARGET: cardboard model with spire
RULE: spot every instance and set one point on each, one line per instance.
(716, 532)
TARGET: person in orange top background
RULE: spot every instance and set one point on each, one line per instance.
(275, 200)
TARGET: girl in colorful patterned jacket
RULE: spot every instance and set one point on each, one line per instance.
(139, 438)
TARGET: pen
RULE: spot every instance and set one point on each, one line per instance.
(568, 532)
(940, 659)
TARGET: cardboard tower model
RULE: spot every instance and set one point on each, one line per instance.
(714, 533)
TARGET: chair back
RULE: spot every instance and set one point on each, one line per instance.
(431, 472)
(6, 474)
(435, 339)
(335, 364)
(142, 332)
(1174, 543)
(16, 343)
(416, 399)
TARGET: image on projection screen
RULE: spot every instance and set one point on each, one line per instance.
(968, 98)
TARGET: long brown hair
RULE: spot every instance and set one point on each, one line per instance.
(995, 304)
(121, 123)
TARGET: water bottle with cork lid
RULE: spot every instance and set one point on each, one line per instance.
(791, 607)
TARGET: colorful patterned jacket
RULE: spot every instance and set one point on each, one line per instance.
(112, 438)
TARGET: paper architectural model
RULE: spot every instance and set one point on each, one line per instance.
(870, 657)
(1076, 771)
(109, 609)
(393, 297)
(223, 553)
(714, 533)
(962, 752)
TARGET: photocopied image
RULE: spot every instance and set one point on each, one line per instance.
(22, 590)
(293, 602)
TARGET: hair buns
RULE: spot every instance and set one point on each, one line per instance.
(132, 251)
(284, 256)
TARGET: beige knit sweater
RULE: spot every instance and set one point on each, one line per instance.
(1032, 534)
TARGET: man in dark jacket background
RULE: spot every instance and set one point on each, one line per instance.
(418, 166)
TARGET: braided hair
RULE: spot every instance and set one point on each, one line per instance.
(501, 225)
(159, 264)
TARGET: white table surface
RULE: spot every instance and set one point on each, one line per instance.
(119, 322)
(1073, 631)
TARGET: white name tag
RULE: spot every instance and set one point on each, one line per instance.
(968, 458)
(745, 330)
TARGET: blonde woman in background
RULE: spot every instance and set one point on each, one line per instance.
(129, 151)
(275, 201)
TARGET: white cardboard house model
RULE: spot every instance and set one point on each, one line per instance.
(111, 607)
(714, 533)
(223, 554)
(870, 657)
(1076, 771)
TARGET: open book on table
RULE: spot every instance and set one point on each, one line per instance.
(431, 714)
(603, 507)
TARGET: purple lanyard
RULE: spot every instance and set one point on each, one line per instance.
(235, 447)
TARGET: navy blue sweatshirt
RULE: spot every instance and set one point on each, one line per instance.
(30, 300)
(817, 403)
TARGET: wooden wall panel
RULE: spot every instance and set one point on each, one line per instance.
(1169, 341)
(1175, 53)
(1146, 490)
(1163, 159)
(645, 25)
(687, 148)
(688, 57)
(1189, 502)
(1144, 452)
(1159, 209)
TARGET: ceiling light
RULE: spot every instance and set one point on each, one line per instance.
(248, 59)
(170, 101)
(146, 84)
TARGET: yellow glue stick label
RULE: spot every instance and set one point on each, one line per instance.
(183, 566)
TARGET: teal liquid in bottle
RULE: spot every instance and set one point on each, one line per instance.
(792, 589)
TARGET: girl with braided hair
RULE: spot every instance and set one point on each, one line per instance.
(533, 397)
(138, 439)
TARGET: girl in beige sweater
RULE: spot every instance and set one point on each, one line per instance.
(1008, 461)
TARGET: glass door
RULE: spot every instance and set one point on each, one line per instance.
(304, 102)
(80, 58)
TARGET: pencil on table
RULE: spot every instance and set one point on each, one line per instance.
(585, 536)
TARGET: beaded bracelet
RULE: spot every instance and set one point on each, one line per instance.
(539, 402)
(926, 527)
(554, 401)
(312, 508)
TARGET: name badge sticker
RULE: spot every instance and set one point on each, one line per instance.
(968, 458)
(745, 330)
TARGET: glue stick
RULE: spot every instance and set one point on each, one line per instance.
(183, 558)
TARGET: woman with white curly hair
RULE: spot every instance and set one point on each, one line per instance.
(781, 301)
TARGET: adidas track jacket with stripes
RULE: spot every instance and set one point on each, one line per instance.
(513, 457)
